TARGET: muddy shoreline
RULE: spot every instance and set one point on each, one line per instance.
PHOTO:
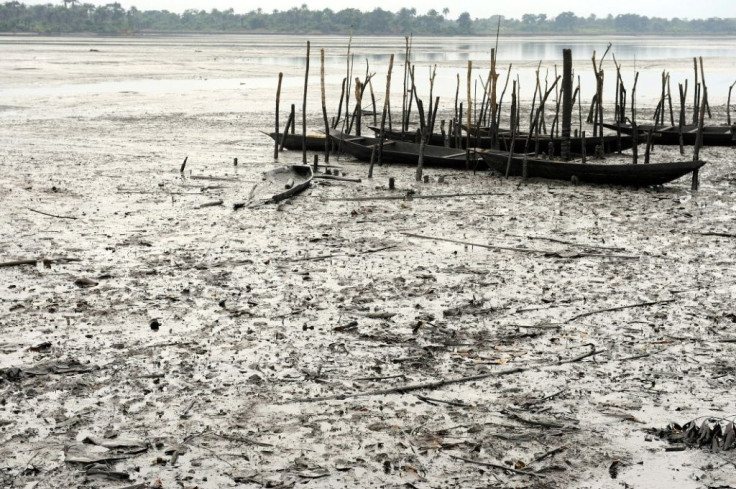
(195, 352)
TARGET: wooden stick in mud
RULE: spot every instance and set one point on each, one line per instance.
(683, 95)
(406, 80)
(324, 105)
(278, 101)
(699, 139)
(289, 122)
(348, 77)
(386, 105)
(432, 75)
(51, 215)
(513, 129)
(304, 110)
(373, 102)
(292, 116)
(634, 131)
(457, 94)
(445, 382)
(728, 104)
(649, 146)
(339, 107)
(500, 103)
(468, 110)
(669, 101)
(434, 115)
(184, 163)
(494, 95)
(566, 103)
(696, 100)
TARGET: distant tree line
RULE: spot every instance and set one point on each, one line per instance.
(71, 16)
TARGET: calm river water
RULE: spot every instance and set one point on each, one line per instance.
(58, 66)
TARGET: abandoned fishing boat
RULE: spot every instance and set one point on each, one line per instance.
(287, 181)
(722, 135)
(293, 142)
(641, 175)
(611, 143)
(403, 152)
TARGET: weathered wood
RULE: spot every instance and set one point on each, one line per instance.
(566, 103)
(304, 109)
(278, 101)
(386, 106)
(324, 104)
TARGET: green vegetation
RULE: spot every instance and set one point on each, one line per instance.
(71, 16)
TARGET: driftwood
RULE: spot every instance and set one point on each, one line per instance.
(444, 382)
(51, 215)
(619, 308)
(32, 261)
(340, 179)
(549, 253)
(410, 197)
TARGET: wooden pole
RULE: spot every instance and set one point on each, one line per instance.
(683, 95)
(406, 88)
(566, 103)
(386, 105)
(324, 105)
(696, 86)
(339, 107)
(278, 101)
(513, 128)
(304, 109)
(634, 130)
(289, 123)
(699, 139)
(669, 100)
(728, 104)
(468, 110)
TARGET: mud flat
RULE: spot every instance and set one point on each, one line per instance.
(321, 342)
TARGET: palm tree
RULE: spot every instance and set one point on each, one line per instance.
(445, 11)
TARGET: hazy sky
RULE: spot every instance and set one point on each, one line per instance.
(477, 8)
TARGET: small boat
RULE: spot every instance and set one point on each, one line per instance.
(641, 175)
(722, 135)
(287, 181)
(409, 136)
(612, 143)
(403, 152)
(315, 142)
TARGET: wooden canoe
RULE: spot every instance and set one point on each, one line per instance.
(315, 142)
(721, 135)
(403, 152)
(287, 181)
(612, 143)
(641, 175)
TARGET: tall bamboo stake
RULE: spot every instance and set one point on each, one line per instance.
(699, 139)
(669, 100)
(336, 122)
(513, 128)
(634, 131)
(324, 105)
(278, 101)
(386, 105)
(728, 104)
(683, 95)
(468, 110)
(406, 79)
(304, 110)
(696, 86)
(566, 103)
